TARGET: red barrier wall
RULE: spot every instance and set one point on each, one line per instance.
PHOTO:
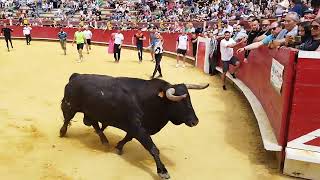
(305, 113)
(255, 74)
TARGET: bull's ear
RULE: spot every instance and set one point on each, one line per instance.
(161, 94)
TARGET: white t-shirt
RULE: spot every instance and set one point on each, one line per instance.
(226, 52)
(26, 30)
(183, 42)
(118, 38)
(87, 34)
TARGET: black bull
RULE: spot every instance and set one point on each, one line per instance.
(139, 107)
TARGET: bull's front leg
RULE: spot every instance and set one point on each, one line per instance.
(99, 131)
(144, 138)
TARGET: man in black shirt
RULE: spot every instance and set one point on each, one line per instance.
(139, 42)
(255, 32)
(7, 34)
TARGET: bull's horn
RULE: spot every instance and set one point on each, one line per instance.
(170, 96)
(196, 86)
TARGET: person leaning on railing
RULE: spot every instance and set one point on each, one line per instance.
(313, 43)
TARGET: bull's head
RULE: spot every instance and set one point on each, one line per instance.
(180, 107)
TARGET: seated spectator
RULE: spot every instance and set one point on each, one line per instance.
(290, 29)
(304, 35)
(226, 27)
(240, 33)
(313, 43)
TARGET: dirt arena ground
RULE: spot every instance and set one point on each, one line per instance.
(226, 144)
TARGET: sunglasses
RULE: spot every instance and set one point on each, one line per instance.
(315, 27)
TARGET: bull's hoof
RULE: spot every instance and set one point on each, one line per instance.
(63, 131)
(164, 175)
(104, 141)
(119, 151)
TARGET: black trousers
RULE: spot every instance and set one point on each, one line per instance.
(157, 67)
(28, 38)
(116, 52)
(213, 63)
(140, 49)
(8, 39)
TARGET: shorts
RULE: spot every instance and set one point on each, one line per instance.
(182, 51)
(89, 41)
(80, 46)
(226, 64)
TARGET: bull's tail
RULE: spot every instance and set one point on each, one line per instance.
(73, 76)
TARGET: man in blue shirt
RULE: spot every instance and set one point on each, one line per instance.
(63, 40)
(275, 30)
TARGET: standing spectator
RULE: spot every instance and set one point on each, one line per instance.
(7, 35)
(182, 47)
(158, 55)
(139, 43)
(63, 40)
(194, 40)
(297, 7)
(253, 33)
(226, 50)
(88, 35)
(213, 54)
(27, 33)
(275, 27)
(80, 40)
(118, 40)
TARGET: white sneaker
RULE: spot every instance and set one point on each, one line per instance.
(177, 65)
(183, 66)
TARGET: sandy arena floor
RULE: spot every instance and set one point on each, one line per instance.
(226, 144)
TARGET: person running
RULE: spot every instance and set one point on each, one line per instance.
(80, 40)
(139, 42)
(153, 40)
(88, 36)
(118, 40)
(182, 47)
(27, 33)
(7, 35)
(63, 40)
(158, 50)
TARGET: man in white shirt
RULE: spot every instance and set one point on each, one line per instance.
(182, 47)
(226, 50)
(27, 33)
(118, 39)
(88, 35)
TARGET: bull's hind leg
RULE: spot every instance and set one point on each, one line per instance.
(121, 143)
(99, 131)
(68, 114)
